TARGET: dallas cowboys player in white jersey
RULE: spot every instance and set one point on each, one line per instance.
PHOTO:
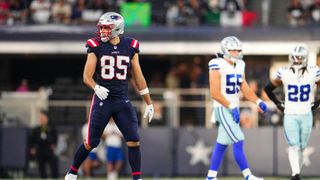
(298, 80)
(227, 78)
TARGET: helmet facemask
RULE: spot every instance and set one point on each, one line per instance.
(104, 31)
(231, 43)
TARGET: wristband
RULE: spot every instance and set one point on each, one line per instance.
(258, 101)
(144, 91)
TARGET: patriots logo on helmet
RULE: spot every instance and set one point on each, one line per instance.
(114, 17)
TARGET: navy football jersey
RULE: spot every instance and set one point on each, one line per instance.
(113, 63)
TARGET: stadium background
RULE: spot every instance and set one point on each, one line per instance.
(51, 57)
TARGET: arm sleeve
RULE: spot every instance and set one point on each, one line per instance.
(269, 90)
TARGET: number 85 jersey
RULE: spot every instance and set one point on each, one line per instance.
(113, 63)
(230, 79)
(298, 88)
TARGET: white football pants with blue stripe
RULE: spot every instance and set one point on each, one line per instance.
(229, 131)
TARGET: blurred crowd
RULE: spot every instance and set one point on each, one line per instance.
(217, 12)
(54, 11)
(223, 13)
(301, 13)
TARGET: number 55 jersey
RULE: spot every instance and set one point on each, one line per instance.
(230, 79)
(113, 63)
(298, 87)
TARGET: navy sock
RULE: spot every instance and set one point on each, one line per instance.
(217, 156)
(134, 156)
(239, 156)
(79, 157)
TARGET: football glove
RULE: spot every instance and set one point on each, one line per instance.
(262, 105)
(280, 106)
(101, 92)
(148, 113)
(235, 113)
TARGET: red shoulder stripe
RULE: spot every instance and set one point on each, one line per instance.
(134, 43)
(92, 42)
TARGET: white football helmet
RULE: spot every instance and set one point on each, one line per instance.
(231, 43)
(298, 57)
(113, 20)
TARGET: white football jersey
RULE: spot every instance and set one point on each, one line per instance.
(231, 79)
(113, 133)
(298, 88)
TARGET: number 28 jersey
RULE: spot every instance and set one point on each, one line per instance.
(113, 63)
(298, 88)
(230, 79)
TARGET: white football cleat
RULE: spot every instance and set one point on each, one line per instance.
(252, 177)
(212, 178)
(70, 176)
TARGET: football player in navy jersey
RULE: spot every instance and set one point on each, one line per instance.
(109, 59)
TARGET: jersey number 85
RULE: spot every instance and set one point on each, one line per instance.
(114, 67)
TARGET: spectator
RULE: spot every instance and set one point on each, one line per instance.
(98, 5)
(200, 10)
(231, 13)
(43, 145)
(180, 14)
(183, 74)
(94, 10)
(314, 12)
(114, 152)
(156, 80)
(213, 5)
(295, 14)
(195, 76)
(77, 9)
(172, 80)
(40, 11)
(248, 15)
(198, 77)
(4, 11)
(18, 12)
(23, 87)
(61, 12)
